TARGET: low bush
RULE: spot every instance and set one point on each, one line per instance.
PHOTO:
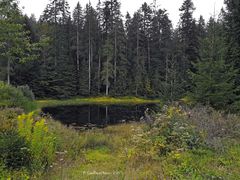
(216, 126)
(190, 143)
(27, 92)
(8, 119)
(15, 152)
(171, 131)
(13, 97)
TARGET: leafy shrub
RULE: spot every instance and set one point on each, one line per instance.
(13, 97)
(8, 119)
(177, 130)
(14, 150)
(170, 132)
(27, 92)
(41, 141)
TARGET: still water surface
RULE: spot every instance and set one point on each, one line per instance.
(97, 115)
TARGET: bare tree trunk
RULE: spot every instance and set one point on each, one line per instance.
(107, 80)
(167, 66)
(78, 63)
(115, 58)
(136, 90)
(99, 73)
(64, 13)
(89, 57)
(8, 71)
(55, 34)
(149, 56)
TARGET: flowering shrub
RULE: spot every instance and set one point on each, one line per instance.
(42, 142)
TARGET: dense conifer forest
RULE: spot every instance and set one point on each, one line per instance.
(96, 51)
(98, 94)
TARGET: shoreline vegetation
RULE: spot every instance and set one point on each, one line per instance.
(97, 100)
(179, 143)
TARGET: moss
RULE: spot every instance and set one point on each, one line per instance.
(99, 155)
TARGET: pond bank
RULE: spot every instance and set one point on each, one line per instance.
(96, 100)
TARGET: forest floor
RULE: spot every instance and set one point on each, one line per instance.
(96, 100)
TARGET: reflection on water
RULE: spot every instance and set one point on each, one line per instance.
(97, 115)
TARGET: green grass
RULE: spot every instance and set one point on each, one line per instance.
(96, 100)
(104, 156)
(114, 159)
(130, 151)
(114, 153)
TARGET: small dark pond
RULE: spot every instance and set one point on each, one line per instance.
(97, 115)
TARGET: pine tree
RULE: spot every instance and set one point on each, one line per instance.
(146, 14)
(60, 63)
(201, 29)
(214, 78)
(232, 29)
(77, 39)
(160, 49)
(91, 33)
(189, 39)
(137, 58)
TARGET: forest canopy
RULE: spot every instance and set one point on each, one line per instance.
(95, 51)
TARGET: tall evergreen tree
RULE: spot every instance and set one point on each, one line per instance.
(161, 38)
(77, 38)
(214, 78)
(58, 75)
(232, 29)
(189, 39)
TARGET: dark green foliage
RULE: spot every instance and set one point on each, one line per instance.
(14, 150)
(232, 31)
(80, 55)
(214, 78)
(188, 39)
(13, 97)
(14, 42)
(27, 92)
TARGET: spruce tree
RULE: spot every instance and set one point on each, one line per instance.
(232, 29)
(214, 78)
(189, 40)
